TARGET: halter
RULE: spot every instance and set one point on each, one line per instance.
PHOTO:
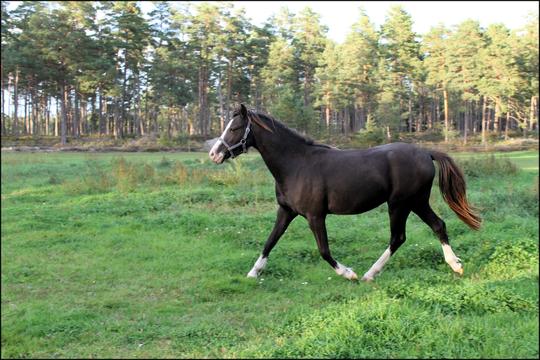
(241, 143)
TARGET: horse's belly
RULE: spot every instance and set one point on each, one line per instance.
(351, 201)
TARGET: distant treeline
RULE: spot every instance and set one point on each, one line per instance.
(78, 68)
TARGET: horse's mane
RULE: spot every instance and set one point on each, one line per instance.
(273, 123)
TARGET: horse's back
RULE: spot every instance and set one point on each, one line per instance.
(359, 180)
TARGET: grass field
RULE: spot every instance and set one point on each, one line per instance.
(145, 255)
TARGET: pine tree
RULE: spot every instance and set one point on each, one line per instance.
(436, 63)
(400, 56)
(465, 65)
(358, 72)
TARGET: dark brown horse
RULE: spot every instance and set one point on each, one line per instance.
(313, 180)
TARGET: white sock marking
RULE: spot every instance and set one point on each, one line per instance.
(259, 265)
(346, 272)
(452, 259)
(378, 266)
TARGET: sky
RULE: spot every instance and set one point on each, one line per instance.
(340, 15)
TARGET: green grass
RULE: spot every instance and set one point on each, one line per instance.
(145, 255)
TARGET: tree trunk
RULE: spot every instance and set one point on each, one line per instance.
(484, 121)
(83, 128)
(100, 113)
(9, 101)
(532, 113)
(146, 124)
(118, 130)
(106, 113)
(466, 122)
(410, 121)
(201, 100)
(63, 103)
(446, 116)
(507, 124)
(26, 118)
(419, 118)
(229, 90)
(2, 89)
(136, 109)
(48, 116)
(220, 98)
(154, 118)
(327, 112)
(496, 120)
(35, 109)
(93, 121)
(76, 119)
(56, 118)
(306, 87)
(437, 110)
(69, 111)
(120, 117)
(16, 103)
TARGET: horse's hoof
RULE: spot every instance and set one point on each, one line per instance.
(353, 277)
(457, 267)
(252, 275)
(367, 278)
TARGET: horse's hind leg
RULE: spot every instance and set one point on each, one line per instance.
(318, 226)
(398, 219)
(438, 226)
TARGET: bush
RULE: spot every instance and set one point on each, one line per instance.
(125, 174)
(94, 180)
(519, 258)
(468, 298)
(164, 163)
(487, 166)
(368, 138)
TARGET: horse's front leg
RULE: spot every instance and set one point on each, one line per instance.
(318, 226)
(284, 218)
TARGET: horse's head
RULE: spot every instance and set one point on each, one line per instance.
(236, 138)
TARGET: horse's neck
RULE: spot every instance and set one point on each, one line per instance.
(281, 151)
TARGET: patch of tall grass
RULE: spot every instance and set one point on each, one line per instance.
(126, 176)
(487, 166)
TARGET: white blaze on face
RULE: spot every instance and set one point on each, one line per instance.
(378, 266)
(214, 155)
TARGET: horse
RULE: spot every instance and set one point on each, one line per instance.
(313, 180)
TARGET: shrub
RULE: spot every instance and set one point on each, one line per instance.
(94, 180)
(179, 173)
(519, 258)
(488, 166)
(233, 175)
(164, 163)
(468, 298)
(125, 174)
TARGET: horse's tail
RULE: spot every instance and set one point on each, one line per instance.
(452, 186)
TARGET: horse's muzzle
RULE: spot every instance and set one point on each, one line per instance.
(217, 157)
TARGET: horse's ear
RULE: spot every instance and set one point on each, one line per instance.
(243, 111)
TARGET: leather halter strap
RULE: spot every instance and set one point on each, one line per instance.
(241, 143)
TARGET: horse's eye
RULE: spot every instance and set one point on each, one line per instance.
(236, 128)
